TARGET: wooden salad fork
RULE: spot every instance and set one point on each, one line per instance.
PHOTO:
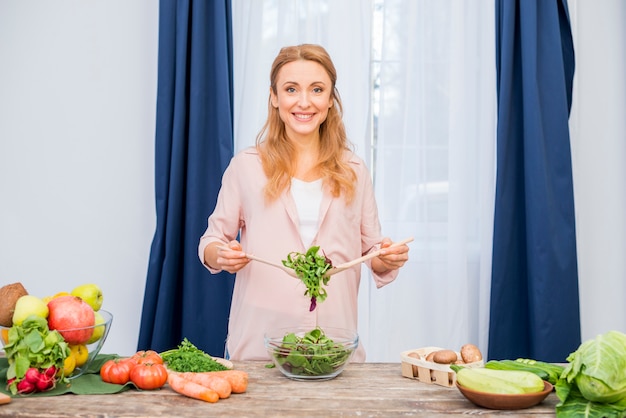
(287, 270)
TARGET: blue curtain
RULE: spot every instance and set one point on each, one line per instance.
(194, 143)
(534, 310)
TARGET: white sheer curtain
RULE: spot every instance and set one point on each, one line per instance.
(598, 129)
(434, 173)
(428, 131)
(262, 27)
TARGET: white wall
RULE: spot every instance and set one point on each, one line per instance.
(77, 118)
(77, 109)
(598, 132)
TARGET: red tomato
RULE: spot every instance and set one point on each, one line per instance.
(147, 356)
(117, 371)
(148, 376)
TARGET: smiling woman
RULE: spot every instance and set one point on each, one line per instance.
(417, 82)
(303, 140)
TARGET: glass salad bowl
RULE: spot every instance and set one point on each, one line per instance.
(302, 353)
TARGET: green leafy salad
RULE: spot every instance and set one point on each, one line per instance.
(310, 268)
(313, 354)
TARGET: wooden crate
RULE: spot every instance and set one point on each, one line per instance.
(430, 372)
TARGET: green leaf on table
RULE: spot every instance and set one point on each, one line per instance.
(92, 384)
(89, 383)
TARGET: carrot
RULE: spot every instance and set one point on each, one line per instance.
(191, 389)
(238, 379)
(218, 384)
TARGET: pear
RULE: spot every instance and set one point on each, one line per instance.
(29, 305)
(90, 293)
(98, 330)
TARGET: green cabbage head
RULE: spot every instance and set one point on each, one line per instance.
(598, 368)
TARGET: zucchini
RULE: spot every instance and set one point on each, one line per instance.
(554, 370)
(498, 381)
(516, 365)
(546, 371)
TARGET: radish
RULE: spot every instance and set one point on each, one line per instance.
(32, 375)
(35, 380)
(44, 383)
(25, 386)
(50, 371)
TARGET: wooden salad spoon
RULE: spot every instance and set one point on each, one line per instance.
(347, 265)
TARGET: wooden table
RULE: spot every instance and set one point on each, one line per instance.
(363, 390)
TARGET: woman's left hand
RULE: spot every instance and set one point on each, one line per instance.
(390, 258)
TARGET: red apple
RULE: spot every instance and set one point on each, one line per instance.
(72, 317)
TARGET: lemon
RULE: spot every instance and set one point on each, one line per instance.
(80, 354)
(69, 365)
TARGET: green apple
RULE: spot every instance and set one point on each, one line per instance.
(29, 305)
(90, 293)
(98, 329)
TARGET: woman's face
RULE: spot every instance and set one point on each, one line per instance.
(303, 97)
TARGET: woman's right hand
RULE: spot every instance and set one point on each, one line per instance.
(230, 258)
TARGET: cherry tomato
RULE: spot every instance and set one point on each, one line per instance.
(148, 376)
(147, 356)
(117, 370)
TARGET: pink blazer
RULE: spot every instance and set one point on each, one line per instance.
(265, 297)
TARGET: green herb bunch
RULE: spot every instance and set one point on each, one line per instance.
(310, 268)
(188, 358)
(33, 345)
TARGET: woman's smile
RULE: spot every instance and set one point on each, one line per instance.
(303, 117)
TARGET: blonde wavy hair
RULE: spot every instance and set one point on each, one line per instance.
(278, 153)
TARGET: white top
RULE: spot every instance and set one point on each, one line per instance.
(308, 197)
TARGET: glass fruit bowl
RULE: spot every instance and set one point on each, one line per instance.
(302, 353)
(92, 347)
